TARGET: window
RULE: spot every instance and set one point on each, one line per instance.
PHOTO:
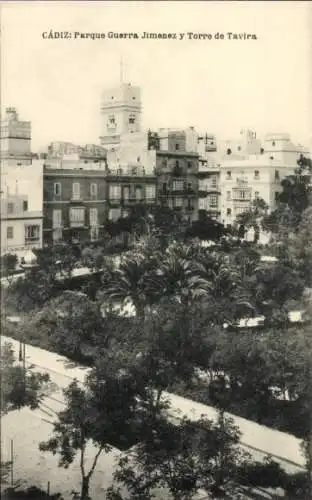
(228, 211)
(111, 120)
(229, 151)
(164, 163)
(93, 216)
(25, 205)
(57, 188)
(276, 195)
(126, 193)
(76, 191)
(57, 218)
(57, 234)
(240, 210)
(138, 193)
(32, 233)
(93, 191)
(257, 174)
(132, 119)
(10, 208)
(189, 164)
(177, 164)
(213, 201)
(177, 185)
(94, 233)
(10, 233)
(229, 174)
(256, 195)
(214, 181)
(277, 175)
(114, 214)
(177, 146)
(178, 202)
(164, 187)
(77, 216)
(240, 194)
(239, 148)
(150, 191)
(273, 144)
(114, 192)
(228, 195)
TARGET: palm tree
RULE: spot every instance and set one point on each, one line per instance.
(220, 279)
(126, 284)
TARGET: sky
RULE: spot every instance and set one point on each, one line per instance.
(218, 86)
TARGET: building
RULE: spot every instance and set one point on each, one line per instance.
(208, 176)
(129, 186)
(245, 145)
(57, 150)
(256, 176)
(176, 172)
(21, 208)
(15, 139)
(21, 188)
(120, 113)
(78, 202)
(74, 204)
(21, 228)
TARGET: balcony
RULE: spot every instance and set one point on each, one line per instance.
(32, 240)
(76, 199)
(77, 224)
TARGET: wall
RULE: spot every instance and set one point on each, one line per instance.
(64, 201)
(133, 149)
(26, 180)
(243, 177)
(17, 244)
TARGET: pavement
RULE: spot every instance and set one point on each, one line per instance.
(27, 428)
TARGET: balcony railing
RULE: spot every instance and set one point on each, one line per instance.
(32, 239)
(76, 198)
(76, 223)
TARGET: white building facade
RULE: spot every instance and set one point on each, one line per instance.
(245, 179)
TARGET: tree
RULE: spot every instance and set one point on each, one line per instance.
(126, 284)
(251, 218)
(300, 247)
(93, 257)
(8, 265)
(184, 458)
(294, 199)
(31, 291)
(31, 493)
(273, 287)
(206, 228)
(58, 260)
(74, 325)
(103, 413)
(19, 385)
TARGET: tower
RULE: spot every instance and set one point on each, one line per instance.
(15, 137)
(120, 113)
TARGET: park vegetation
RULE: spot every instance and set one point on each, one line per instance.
(162, 313)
